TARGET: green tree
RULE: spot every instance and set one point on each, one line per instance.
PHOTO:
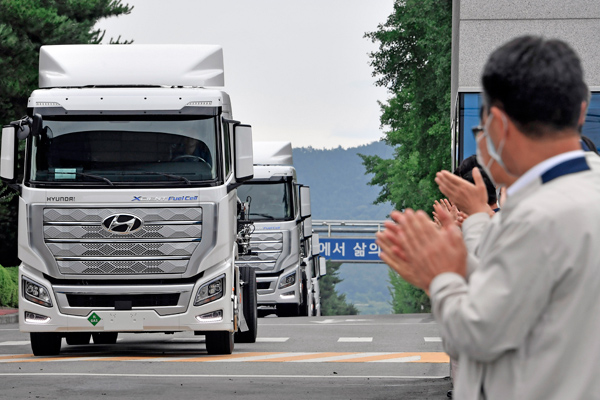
(25, 26)
(333, 303)
(406, 298)
(413, 62)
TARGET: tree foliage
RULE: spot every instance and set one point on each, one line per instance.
(333, 303)
(25, 26)
(406, 298)
(413, 62)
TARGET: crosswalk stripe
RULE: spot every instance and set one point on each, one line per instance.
(355, 339)
(314, 357)
(432, 339)
(272, 339)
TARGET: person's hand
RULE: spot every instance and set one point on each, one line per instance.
(418, 251)
(469, 198)
(444, 204)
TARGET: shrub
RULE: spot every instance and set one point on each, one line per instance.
(9, 286)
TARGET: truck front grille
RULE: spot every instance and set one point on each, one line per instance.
(265, 250)
(82, 245)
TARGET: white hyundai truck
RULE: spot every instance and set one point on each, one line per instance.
(129, 219)
(284, 251)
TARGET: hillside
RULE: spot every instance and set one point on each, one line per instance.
(339, 190)
(338, 185)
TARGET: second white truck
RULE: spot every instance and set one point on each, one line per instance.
(284, 251)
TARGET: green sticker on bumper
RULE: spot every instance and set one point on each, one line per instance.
(94, 319)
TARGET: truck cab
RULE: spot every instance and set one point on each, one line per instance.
(128, 211)
(280, 246)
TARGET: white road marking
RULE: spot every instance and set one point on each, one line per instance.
(400, 360)
(361, 377)
(433, 339)
(355, 339)
(339, 358)
(264, 357)
(272, 339)
(326, 321)
(15, 343)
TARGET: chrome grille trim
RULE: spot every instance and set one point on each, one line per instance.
(131, 267)
(80, 244)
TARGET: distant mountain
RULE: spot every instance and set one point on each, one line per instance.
(338, 185)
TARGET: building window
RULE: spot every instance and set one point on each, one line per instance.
(469, 104)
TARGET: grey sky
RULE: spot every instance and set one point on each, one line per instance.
(296, 70)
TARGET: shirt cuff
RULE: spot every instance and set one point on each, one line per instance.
(442, 281)
(475, 219)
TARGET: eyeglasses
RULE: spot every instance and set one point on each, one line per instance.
(477, 130)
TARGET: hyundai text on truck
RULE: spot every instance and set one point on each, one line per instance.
(129, 219)
(284, 252)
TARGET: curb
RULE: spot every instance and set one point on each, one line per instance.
(9, 318)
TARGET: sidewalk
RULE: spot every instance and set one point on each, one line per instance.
(9, 315)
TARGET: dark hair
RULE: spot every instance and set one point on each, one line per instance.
(538, 82)
(465, 171)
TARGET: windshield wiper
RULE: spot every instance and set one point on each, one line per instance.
(100, 178)
(263, 215)
(178, 177)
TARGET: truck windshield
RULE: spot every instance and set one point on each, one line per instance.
(120, 150)
(268, 201)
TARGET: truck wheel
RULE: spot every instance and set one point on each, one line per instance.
(45, 344)
(78, 338)
(105, 337)
(305, 306)
(219, 342)
(288, 310)
(249, 306)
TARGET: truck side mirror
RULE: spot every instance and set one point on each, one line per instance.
(322, 266)
(8, 154)
(315, 245)
(244, 159)
(307, 227)
(305, 202)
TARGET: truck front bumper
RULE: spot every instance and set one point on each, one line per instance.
(278, 291)
(61, 316)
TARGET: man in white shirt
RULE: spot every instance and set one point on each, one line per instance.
(525, 324)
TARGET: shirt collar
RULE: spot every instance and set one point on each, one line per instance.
(538, 170)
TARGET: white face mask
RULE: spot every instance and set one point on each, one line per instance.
(496, 155)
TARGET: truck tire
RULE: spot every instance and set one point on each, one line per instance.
(305, 306)
(219, 342)
(249, 306)
(76, 338)
(105, 337)
(45, 344)
(288, 310)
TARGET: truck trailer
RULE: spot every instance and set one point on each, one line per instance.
(281, 246)
(129, 219)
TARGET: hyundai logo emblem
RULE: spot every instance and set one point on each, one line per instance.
(122, 224)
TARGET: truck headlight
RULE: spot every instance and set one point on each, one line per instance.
(210, 291)
(287, 280)
(36, 293)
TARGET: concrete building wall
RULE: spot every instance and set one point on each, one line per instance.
(483, 25)
(480, 26)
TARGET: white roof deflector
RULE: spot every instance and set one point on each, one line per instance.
(272, 153)
(80, 65)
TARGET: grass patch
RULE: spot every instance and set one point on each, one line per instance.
(9, 286)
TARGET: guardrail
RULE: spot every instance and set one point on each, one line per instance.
(333, 227)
